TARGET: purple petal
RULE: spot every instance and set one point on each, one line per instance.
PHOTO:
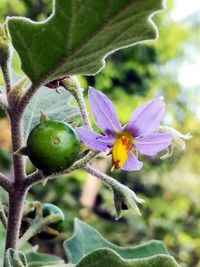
(103, 111)
(145, 119)
(132, 163)
(94, 140)
(152, 144)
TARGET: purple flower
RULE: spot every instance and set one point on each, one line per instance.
(138, 135)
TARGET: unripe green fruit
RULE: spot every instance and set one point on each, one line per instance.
(53, 146)
(50, 209)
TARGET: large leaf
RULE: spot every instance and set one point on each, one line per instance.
(109, 258)
(79, 34)
(36, 259)
(86, 239)
(55, 105)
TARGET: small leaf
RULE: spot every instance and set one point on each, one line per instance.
(15, 259)
(36, 259)
(86, 239)
(79, 34)
(109, 258)
(55, 105)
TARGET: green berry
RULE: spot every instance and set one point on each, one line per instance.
(53, 146)
(57, 227)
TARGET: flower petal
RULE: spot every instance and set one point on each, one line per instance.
(145, 119)
(152, 144)
(103, 111)
(132, 163)
(94, 140)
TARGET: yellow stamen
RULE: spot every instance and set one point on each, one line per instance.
(121, 149)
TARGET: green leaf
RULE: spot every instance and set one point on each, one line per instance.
(109, 258)
(86, 239)
(36, 259)
(80, 34)
(55, 105)
(15, 259)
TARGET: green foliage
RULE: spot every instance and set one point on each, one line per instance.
(88, 248)
(75, 40)
(57, 106)
(86, 239)
(5, 159)
(108, 258)
(15, 259)
(36, 259)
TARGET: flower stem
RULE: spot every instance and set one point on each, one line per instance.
(77, 93)
(109, 181)
(38, 176)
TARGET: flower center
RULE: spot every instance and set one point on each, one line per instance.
(121, 149)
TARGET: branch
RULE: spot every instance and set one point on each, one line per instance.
(38, 176)
(5, 182)
(25, 99)
(17, 143)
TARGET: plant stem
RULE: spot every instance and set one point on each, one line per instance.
(37, 226)
(5, 182)
(17, 142)
(16, 199)
(25, 99)
(77, 93)
(109, 181)
(38, 176)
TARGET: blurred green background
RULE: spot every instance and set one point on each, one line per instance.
(169, 67)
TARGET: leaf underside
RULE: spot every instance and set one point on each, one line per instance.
(36, 259)
(56, 106)
(86, 240)
(15, 258)
(80, 34)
